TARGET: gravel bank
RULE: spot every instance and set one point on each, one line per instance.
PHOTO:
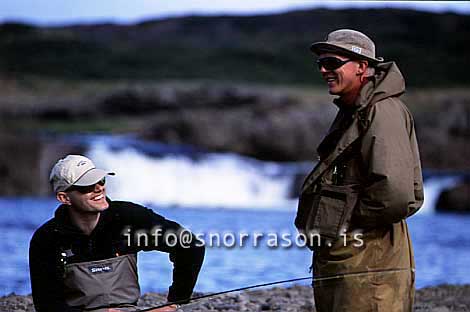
(443, 298)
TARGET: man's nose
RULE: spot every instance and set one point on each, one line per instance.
(322, 69)
(98, 188)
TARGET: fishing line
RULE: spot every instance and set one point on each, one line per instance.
(314, 279)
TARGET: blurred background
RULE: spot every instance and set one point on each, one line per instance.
(210, 114)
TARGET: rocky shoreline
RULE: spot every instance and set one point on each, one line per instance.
(443, 298)
(265, 122)
(273, 123)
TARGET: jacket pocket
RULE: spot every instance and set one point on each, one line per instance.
(326, 212)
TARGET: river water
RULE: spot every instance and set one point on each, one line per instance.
(224, 193)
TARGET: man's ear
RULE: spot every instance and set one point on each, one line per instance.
(362, 68)
(63, 198)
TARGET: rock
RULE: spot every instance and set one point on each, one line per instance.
(276, 128)
(19, 163)
(456, 199)
(16, 303)
(26, 160)
(128, 102)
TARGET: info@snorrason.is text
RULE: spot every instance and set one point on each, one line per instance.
(229, 239)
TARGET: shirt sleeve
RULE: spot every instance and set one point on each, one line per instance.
(186, 252)
(389, 194)
(46, 284)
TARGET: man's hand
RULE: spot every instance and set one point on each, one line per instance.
(170, 308)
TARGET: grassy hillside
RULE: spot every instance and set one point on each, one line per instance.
(431, 49)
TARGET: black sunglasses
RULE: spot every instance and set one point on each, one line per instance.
(87, 188)
(330, 63)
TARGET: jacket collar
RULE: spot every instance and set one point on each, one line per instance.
(387, 81)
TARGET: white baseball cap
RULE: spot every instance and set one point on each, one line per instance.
(75, 170)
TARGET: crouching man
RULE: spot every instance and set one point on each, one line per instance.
(85, 257)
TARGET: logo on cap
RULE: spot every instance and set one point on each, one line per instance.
(356, 49)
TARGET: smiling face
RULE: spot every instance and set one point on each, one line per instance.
(345, 80)
(87, 199)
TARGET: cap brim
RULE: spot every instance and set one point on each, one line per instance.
(325, 47)
(92, 176)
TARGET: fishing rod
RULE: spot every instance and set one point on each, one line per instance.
(314, 279)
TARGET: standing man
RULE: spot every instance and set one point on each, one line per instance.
(354, 203)
(85, 258)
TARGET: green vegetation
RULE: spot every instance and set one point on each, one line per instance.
(431, 49)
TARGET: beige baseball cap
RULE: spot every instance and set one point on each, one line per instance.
(75, 170)
(349, 42)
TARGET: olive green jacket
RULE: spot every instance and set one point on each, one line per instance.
(357, 198)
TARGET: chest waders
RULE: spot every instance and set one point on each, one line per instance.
(98, 285)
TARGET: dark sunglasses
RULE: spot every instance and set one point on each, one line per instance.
(330, 63)
(87, 188)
